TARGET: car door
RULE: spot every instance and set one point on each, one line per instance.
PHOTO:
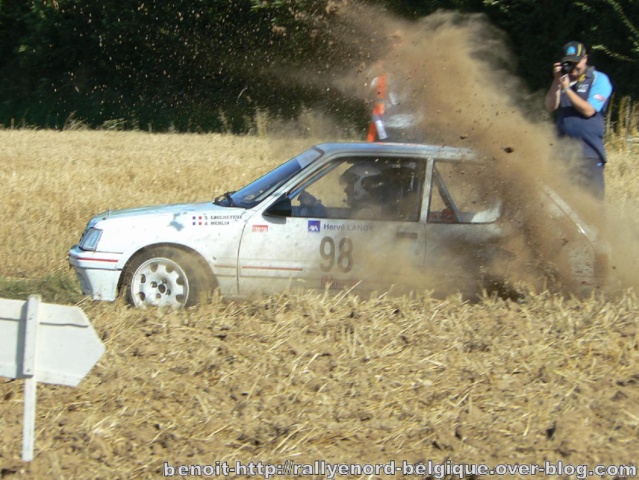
(316, 236)
(464, 234)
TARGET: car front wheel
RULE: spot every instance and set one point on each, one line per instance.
(164, 278)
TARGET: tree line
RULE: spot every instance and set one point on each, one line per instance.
(210, 65)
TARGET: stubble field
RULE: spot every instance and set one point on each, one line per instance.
(297, 377)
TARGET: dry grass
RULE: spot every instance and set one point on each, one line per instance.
(298, 376)
(53, 182)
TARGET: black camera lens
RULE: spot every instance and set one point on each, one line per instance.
(567, 67)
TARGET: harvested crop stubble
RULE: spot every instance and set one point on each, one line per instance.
(311, 377)
(302, 376)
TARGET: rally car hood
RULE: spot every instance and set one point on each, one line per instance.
(125, 230)
(164, 210)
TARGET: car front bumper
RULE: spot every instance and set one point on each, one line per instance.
(97, 272)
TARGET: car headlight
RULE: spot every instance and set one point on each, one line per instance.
(90, 239)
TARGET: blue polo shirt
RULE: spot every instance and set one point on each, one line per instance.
(595, 88)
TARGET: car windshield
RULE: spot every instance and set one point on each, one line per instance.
(255, 192)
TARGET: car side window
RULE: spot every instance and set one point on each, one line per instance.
(362, 188)
(463, 192)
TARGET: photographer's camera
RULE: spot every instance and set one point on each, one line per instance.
(567, 67)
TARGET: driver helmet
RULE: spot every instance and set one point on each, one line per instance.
(363, 182)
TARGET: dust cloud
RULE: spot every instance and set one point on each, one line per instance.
(456, 73)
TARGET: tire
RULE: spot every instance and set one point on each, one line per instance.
(164, 277)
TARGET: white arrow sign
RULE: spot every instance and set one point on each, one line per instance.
(41, 342)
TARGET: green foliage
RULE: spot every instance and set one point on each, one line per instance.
(212, 64)
(614, 40)
(167, 63)
(538, 30)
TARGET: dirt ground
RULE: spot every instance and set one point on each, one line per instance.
(305, 378)
(299, 377)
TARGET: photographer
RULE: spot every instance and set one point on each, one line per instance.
(580, 95)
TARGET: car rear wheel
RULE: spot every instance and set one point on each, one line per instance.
(164, 277)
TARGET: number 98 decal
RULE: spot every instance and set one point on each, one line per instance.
(340, 257)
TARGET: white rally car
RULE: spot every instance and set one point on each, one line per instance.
(361, 216)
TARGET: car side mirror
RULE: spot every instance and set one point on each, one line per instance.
(282, 207)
